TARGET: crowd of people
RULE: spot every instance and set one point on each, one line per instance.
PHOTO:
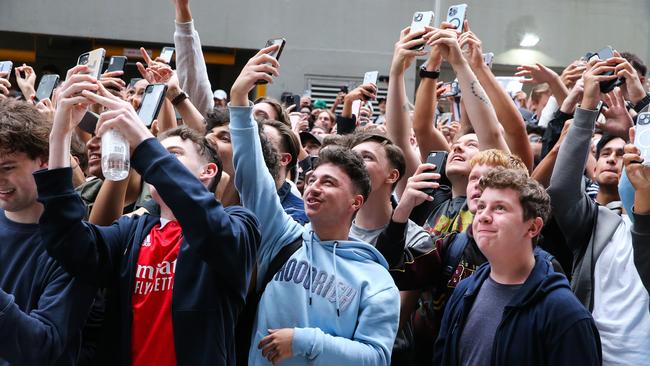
(480, 228)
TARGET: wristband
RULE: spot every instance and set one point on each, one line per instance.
(638, 107)
(428, 74)
(179, 98)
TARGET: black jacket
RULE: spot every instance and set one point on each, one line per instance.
(544, 323)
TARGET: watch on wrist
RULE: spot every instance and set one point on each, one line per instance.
(642, 103)
(428, 74)
(179, 98)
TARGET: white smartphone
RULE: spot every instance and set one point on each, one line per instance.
(6, 66)
(95, 61)
(420, 20)
(642, 136)
(488, 58)
(166, 54)
(456, 15)
(370, 77)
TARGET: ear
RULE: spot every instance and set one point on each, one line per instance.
(208, 171)
(357, 202)
(285, 159)
(535, 227)
(392, 177)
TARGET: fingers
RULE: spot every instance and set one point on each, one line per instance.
(76, 70)
(265, 68)
(143, 72)
(423, 168)
(112, 74)
(4, 90)
(265, 341)
(76, 88)
(101, 99)
(267, 50)
(632, 133)
(145, 56)
(632, 158)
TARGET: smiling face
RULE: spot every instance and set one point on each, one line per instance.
(330, 197)
(610, 163)
(17, 186)
(94, 151)
(499, 227)
(134, 95)
(461, 153)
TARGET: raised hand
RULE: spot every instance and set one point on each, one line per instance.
(574, 97)
(413, 194)
(46, 107)
(71, 105)
(261, 67)
(633, 86)
(572, 73)
(446, 40)
(472, 48)
(592, 77)
(111, 80)
(536, 74)
(5, 85)
(156, 72)
(619, 120)
(403, 54)
(639, 176)
(26, 83)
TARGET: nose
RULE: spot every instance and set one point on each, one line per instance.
(459, 148)
(484, 216)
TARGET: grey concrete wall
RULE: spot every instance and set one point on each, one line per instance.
(346, 37)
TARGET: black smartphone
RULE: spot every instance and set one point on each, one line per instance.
(88, 122)
(295, 100)
(116, 63)
(275, 54)
(152, 100)
(6, 66)
(603, 54)
(132, 82)
(439, 159)
(46, 86)
(95, 61)
(166, 54)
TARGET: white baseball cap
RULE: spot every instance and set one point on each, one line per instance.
(220, 94)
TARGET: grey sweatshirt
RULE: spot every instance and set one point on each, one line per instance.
(190, 67)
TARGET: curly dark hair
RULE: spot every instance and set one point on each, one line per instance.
(351, 163)
(23, 129)
(533, 198)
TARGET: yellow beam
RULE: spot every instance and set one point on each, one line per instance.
(215, 58)
(17, 55)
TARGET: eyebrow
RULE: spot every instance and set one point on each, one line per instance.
(175, 147)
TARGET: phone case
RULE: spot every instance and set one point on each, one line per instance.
(275, 54)
(149, 107)
(642, 136)
(420, 20)
(456, 15)
(439, 159)
(116, 63)
(46, 86)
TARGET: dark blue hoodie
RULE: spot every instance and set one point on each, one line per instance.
(214, 263)
(543, 324)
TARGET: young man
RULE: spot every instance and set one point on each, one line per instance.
(42, 308)
(333, 301)
(180, 279)
(515, 310)
(605, 277)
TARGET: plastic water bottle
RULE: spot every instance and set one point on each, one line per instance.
(115, 156)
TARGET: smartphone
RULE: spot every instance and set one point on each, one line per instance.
(420, 20)
(642, 136)
(370, 77)
(46, 86)
(132, 82)
(116, 63)
(152, 100)
(603, 54)
(456, 15)
(166, 54)
(275, 54)
(488, 58)
(89, 122)
(95, 61)
(295, 100)
(439, 159)
(6, 66)
(446, 118)
(452, 89)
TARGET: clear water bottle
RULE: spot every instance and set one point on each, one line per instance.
(115, 156)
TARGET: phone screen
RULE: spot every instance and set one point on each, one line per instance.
(151, 103)
(167, 53)
(456, 16)
(46, 86)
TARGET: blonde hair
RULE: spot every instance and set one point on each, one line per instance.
(497, 158)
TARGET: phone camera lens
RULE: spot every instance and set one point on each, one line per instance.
(452, 12)
(418, 17)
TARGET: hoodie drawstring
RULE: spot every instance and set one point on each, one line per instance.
(311, 263)
(336, 285)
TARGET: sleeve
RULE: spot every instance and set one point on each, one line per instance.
(86, 251)
(42, 336)
(579, 345)
(226, 239)
(391, 243)
(344, 125)
(626, 192)
(371, 344)
(572, 208)
(641, 245)
(257, 188)
(547, 113)
(190, 67)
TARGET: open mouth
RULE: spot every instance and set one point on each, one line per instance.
(457, 158)
(4, 192)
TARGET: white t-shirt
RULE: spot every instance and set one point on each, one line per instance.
(621, 302)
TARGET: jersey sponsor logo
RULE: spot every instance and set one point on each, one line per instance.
(154, 278)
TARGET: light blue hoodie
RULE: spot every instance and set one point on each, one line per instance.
(351, 323)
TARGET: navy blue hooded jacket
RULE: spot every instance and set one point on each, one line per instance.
(543, 324)
(214, 263)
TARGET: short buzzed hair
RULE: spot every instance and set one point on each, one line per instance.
(498, 158)
(533, 198)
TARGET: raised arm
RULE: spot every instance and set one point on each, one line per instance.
(252, 178)
(397, 111)
(479, 109)
(190, 64)
(506, 110)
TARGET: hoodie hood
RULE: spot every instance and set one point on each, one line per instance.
(352, 249)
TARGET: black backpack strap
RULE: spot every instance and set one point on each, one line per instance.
(452, 256)
(278, 261)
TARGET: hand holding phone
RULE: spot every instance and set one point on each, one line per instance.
(94, 60)
(370, 77)
(421, 20)
(5, 67)
(605, 53)
(456, 15)
(275, 54)
(439, 159)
